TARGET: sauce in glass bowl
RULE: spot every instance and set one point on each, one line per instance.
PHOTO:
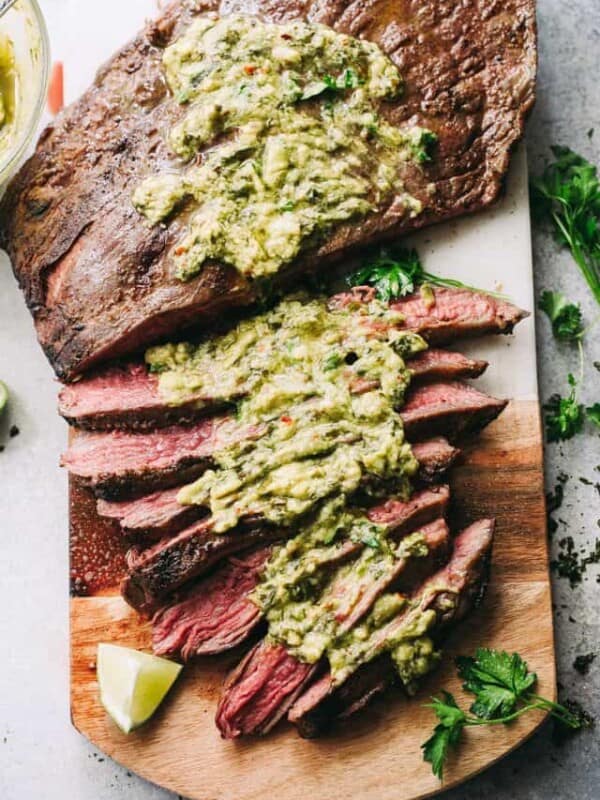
(24, 63)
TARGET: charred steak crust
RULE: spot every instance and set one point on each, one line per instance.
(97, 277)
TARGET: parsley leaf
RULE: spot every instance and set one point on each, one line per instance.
(503, 688)
(564, 415)
(593, 413)
(566, 318)
(497, 679)
(568, 195)
(395, 272)
(446, 734)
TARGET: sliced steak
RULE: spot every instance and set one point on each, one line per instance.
(161, 569)
(456, 314)
(451, 592)
(434, 364)
(100, 281)
(152, 516)
(453, 409)
(352, 600)
(118, 463)
(445, 315)
(260, 690)
(127, 396)
(354, 596)
(215, 615)
(423, 507)
(159, 514)
(435, 457)
(158, 571)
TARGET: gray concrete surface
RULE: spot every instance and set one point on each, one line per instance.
(568, 106)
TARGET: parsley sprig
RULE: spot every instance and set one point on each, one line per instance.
(566, 317)
(396, 272)
(564, 416)
(503, 688)
(568, 194)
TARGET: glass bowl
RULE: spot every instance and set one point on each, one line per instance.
(23, 24)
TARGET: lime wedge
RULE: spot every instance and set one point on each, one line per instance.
(3, 396)
(132, 684)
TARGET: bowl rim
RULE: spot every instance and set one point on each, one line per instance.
(15, 154)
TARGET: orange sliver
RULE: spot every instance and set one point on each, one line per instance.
(56, 88)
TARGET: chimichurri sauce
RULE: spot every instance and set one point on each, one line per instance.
(282, 139)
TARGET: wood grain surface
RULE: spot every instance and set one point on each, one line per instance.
(377, 754)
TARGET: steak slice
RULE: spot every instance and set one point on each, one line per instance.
(156, 572)
(452, 408)
(435, 457)
(118, 463)
(434, 364)
(152, 516)
(457, 314)
(127, 396)
(161, 569)
(445, 315)
(159, 514)
(451, 593)
(124, 396)
(215, 613)
(99, 280)
(354, 597)
(260, 690)
(352, 602)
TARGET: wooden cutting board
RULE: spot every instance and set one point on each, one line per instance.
(377, 754)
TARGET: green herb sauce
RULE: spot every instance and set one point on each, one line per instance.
(8, 91)
(289, 122)
(322, 386)
(329, 425)
(307, 603)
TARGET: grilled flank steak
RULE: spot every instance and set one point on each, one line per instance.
(103, 279)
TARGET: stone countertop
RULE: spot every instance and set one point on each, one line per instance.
(42, 755)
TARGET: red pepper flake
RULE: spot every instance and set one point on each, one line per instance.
(287, 420)
(56, 89)
(250, 69)
(180, 251)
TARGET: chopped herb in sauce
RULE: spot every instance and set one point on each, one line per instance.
(321, 385)
(321, 388)
(298, 143)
